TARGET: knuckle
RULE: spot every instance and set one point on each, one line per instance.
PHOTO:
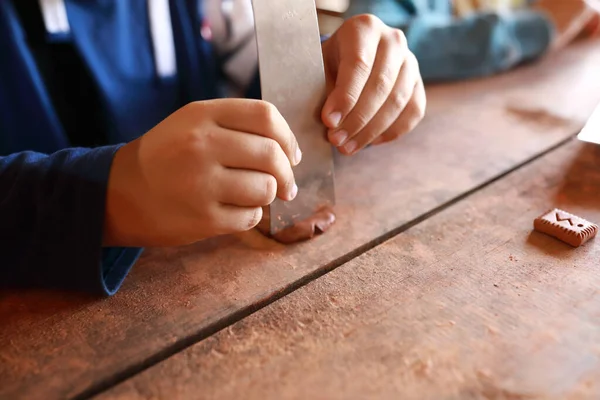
(270, 190)
(288, 142)
(271, 152)
(399, 99)
(289, 181)
(266, 112)
(210, 136)
(398, 37)
(349, 99)
(198, 144)
(361, 63)
(384, 82)
(359, 120)
(369, 21)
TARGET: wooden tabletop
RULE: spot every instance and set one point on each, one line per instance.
(431, 284)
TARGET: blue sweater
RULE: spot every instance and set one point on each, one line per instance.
(94, 88)
(68, 102)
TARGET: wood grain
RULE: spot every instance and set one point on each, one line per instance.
(470, 304)
(56, 345)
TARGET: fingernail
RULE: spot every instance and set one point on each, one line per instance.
(350, 147)
(335, 118)
(294, 192)
(339, 137)
(298, 156)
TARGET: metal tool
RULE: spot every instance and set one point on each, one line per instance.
(591, 131)
(292, 78)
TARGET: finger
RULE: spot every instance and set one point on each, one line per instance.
(233, 219)
(393, 108)
(243, 188)
(410, 118)
(386, 71)
(262, 119)
(357, 54)
(251, 152)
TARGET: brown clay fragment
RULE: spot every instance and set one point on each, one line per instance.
(566, 227)
(317, 224)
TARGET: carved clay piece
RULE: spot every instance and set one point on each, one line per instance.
(566, 227)
(317, 224)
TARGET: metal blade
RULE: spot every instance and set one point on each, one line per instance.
(293, 79)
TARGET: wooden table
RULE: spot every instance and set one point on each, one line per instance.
(431, 285)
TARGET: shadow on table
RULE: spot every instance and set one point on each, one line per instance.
(580, 186)
(18, 305)
(549, 245)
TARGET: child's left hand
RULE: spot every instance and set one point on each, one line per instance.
(375, 91)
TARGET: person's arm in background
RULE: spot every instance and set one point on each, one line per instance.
(52, 209)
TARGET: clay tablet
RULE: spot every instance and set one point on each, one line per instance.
(317, 224)
(566, 227)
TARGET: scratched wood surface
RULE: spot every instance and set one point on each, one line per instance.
(470, 304)
(57, 345)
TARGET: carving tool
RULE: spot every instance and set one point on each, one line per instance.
(292, 76)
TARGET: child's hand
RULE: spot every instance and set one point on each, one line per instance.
(204, 171)
(375, 87)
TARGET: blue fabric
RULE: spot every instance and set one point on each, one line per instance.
(101, 89)
(27, 118)
(118, 51)
(448, 48)
(52, 214)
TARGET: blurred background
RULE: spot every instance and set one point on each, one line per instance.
(459, 39)
(574, 14)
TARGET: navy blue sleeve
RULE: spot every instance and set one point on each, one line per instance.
(52, 211)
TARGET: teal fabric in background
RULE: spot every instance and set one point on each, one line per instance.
(450, 48)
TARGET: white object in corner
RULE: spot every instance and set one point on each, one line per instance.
(595, 4)
(591, 131)
(54, 13)
(55, 18)
(162, 37)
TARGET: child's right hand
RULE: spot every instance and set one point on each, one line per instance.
(206, 170)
